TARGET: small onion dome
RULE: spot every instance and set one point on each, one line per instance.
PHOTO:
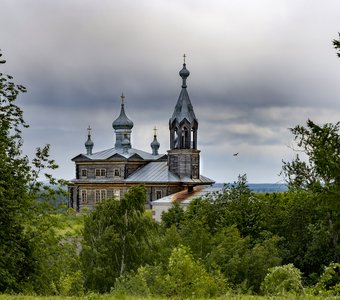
(122, 122)
(89, 142)
(184, 73)
(155, 144)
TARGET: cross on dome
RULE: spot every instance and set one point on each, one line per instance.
(122, 97)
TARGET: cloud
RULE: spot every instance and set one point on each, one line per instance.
(257, 68)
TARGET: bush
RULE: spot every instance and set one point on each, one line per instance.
(281, 280)
(329, 282)
(183, 277)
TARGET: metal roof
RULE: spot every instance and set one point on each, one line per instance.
(184, 197)
(106, 154)
(183, 109)
(153, 172)
(159, 172)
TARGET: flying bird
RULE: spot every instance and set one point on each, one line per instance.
(235, 154)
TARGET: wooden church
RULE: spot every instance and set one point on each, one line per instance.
(110, 173)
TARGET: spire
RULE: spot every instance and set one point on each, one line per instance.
(122, 126)
(89, 144)
(183, 109)
(184, 73)
(183, 124)
(155, 144)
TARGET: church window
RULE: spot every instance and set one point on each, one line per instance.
(100, 195)
(158, 194)
(176, 138)
(185, 142)
(83, 173)
(117, 172)
(83, 196)
(100, 172)
(116, 194)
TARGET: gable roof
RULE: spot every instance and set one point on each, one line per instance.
(119, 152)
(159, 172)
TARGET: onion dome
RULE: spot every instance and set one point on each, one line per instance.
(89, 144)
(184, 73)
(155, 144)
(122, 122)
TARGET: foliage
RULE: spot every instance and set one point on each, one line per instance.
(173, 216)
(26, 227)
(319, 175)
(283, 279)
(183, 277)
(329, 282)
(336, 44)
(243, 264)
(115, 239)
(15, 249)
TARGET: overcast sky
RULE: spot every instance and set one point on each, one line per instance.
(257, 68)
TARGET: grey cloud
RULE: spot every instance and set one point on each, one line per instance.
(257, 68)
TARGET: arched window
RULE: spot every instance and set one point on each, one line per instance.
(185, 140)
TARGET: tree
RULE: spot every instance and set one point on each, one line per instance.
(318, 173)
(336, 44)
(115, 239)
(182, 277)
(283, 279)
(15, 248)
(243, 264)
(173, 216)
(20, 212)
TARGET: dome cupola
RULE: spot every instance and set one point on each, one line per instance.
(89, 144)
(122, 122)
(122, 126)
(155, 144)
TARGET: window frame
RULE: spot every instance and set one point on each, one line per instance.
(100, 195)
(83, 192)
(116, 171)
(100, 172)
(156, 194)
(116, 194)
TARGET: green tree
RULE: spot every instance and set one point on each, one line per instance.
(15, 249)
(329, 282)
(336, 44)
(181, 278)
(173, 216)
(281, 280)
(318, 173)
(21, 215)
(242, 263)
(115, 239)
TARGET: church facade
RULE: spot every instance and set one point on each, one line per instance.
(111, 172)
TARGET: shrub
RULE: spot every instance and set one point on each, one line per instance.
(283, 279)
(329, 282)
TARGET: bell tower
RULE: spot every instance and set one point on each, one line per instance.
(183, 156)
